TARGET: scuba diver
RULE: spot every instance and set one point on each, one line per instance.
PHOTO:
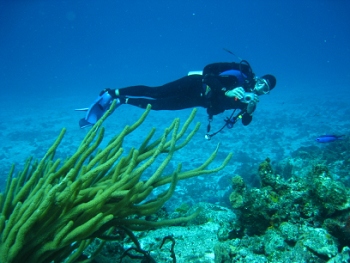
(219, 87)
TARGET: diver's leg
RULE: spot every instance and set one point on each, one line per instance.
(179, 102)
(189, 85)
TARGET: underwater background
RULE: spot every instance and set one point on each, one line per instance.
(56, 56)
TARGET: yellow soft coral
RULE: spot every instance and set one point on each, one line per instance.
(52, 212)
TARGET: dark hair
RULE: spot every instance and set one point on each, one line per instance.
(271, 80)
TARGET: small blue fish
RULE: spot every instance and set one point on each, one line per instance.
(329, 138)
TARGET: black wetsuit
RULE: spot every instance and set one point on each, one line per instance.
(207, 90)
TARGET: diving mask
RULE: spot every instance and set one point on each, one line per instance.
(261, 86)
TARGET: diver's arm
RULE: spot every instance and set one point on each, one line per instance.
(217, 82)
(213, 82)
(212, 78)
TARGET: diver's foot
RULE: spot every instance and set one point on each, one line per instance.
(101, 104)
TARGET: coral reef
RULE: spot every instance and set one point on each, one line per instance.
(51, 212)
(335, 156)
(299, 218)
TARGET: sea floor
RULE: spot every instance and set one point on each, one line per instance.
(283, 127)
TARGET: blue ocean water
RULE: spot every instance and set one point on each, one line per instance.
(56, 56)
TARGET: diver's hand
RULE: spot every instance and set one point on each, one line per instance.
(255, 99)
(236, 92)
(111, 92)
(252, 104)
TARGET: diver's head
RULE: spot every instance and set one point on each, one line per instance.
(264, 84)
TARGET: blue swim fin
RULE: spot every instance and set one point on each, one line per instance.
(96, 110)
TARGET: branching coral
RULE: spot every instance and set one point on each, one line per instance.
(52, 212)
